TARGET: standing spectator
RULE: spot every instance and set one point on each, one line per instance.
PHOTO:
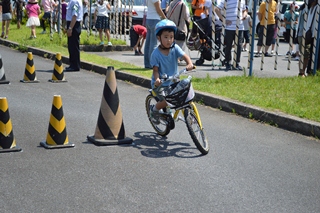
(19, 4)
(138, 34)
(288, 19)
(48, 8)
(271, 21)
(230, 30)
(33, 11)
(64, 5)
(101, 19)
(74, 18)
(178, 12)
(165, 6)
(274, 39)
(6, 17)
(311, 24)
(154, 14)
(247, 25)
(198, 8)
(306, 50)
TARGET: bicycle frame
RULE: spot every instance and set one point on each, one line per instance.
(194, 108)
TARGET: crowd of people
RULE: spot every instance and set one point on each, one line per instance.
(233, 14)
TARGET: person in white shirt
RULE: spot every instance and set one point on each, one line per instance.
(230, 29)
(101, 18)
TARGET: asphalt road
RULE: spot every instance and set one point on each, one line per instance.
(251, 167)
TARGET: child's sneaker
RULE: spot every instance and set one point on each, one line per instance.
(101, 43)
(154, 118)
(109, 43)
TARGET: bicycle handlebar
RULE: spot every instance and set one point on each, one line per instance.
(175, 77)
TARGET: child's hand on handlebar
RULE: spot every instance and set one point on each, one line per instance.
(157, 82)
(190, 67)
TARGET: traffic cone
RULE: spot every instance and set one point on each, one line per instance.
(2, 75)
(110, 128)
(58, 75)
(7, 140)
(57, 133)
(29, 72)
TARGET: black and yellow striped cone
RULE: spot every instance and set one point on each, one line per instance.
(2, 74)
(7, 140)
(30, 71)
(57, 132)
(110, 128)
(58, 75)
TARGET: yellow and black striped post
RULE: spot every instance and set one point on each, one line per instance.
(110, 128)
(2, 74)
(29, 72)
(58, 75)
(57, 132)
(7, 140)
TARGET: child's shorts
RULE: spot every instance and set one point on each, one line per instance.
(6, 16)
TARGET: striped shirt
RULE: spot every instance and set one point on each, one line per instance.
(232, 13)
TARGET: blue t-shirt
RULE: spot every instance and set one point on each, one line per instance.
(288, 16)
(167, 64)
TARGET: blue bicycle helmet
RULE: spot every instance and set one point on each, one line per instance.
(165, 24)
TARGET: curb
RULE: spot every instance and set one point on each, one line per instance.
(280, 120)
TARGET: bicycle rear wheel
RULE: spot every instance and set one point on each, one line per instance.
(162, 127)
(197, 134)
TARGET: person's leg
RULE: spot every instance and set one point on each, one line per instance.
(107, 32)
(100, 35)
(33, 31)
(74, 47)
(151, 41)
(7, 27)
(240, 37)
(3, 24)
(228, 41)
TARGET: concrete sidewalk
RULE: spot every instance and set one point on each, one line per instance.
(281, 62)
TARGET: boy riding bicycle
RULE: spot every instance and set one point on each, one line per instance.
(164, 59)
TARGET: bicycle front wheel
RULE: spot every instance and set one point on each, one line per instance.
(160, 124)
(196, 132)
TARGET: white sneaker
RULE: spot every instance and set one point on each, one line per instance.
(272, 52)
(109, 43)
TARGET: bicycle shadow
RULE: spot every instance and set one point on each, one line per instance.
(153, 145)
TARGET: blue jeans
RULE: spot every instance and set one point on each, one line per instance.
(151, 41)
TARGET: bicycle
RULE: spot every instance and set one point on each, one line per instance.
(178, 101)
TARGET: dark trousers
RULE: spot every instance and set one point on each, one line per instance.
(74, 46)
(230, 36)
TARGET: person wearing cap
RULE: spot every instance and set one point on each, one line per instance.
(291, 16)
(164, 59)
(138, 34)
(33, 11)
(74, 18)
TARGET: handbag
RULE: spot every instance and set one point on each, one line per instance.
(308, 38)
